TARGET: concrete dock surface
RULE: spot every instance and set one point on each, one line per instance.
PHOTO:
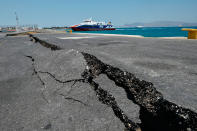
(33, 101)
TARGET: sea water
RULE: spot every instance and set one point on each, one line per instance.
(145, 31)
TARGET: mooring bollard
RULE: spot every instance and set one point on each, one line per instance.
(69, 31)
(192, 33)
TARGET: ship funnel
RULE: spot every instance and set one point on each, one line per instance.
(109, 23)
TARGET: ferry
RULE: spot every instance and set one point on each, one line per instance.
(90, 25)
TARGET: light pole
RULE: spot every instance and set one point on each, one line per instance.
(17, 23)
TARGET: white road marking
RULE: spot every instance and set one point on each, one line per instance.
(75, 37)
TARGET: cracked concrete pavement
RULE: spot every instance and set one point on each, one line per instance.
(170, 64)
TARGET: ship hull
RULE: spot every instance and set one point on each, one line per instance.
(91, 29)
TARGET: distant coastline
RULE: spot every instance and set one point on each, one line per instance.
(160, 24)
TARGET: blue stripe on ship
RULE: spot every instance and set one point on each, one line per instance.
(92, 26)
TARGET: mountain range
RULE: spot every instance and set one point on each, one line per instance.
(160, 24)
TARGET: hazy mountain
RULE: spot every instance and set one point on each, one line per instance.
(160, 24)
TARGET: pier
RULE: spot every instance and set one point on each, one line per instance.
(44, 86)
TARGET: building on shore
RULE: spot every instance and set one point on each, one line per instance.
(12, 28)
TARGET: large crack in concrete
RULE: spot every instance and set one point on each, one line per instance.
(156, 113)
(109, 100)
(44, 43)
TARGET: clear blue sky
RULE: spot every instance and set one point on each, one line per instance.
(120, 12)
